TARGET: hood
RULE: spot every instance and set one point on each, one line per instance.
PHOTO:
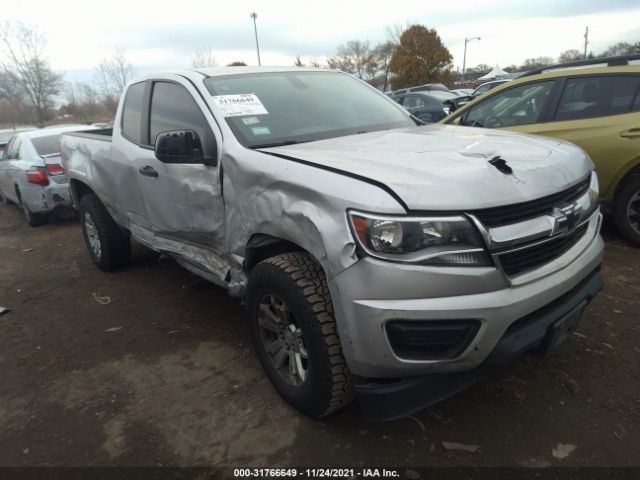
(447, 167)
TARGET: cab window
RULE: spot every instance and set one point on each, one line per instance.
(593, 96)
(173, 108)
(515, 106)
(132, 112)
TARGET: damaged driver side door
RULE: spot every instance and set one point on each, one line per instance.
(183, 199)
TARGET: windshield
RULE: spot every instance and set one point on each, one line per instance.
(49, 145)
(271, 109)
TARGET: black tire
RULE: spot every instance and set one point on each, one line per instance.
(34, 219)
(629, 197)
(4, 199)
(301, 283)
(114, 244)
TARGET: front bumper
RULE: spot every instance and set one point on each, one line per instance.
(391, 400)
(373, 292)
(39, 199)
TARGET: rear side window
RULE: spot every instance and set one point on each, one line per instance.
(49, 145)
(173, 108)
(414, 101)
(132, 112)
(13, 149)
(588, 97)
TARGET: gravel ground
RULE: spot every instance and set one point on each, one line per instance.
(153, 366)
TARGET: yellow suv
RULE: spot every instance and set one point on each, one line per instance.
(592, 103)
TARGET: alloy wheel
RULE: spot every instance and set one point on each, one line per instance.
(92, 235)
(282, 339)
(633, 212)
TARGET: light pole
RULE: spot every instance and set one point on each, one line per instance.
(254, 15)
(464, 58)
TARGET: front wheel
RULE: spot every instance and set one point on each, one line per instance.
(108, 245)
(627, 214)
(294, 333)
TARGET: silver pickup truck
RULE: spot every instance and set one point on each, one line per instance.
(377, 257)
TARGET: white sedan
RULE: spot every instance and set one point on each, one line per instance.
(32, 175)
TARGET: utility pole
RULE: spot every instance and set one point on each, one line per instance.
(586, 41)
(464, 58)
(254, 15)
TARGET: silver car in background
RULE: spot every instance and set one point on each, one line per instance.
(32, 175)
(7, 133)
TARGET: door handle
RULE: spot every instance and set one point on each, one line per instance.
(148, 171)
(631, 133)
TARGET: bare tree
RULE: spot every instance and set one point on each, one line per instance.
(204, 59)
(82, 101)
(25, 69)
(394, 32)
(570, 56)
(382, 55)
(298, 62)
(621, 48)
(355, 57)
(113, 74)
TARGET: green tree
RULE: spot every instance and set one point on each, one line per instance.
(298, 62)
(420, 58)
(237, 64)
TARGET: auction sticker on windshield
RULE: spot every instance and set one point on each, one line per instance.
(239, 105)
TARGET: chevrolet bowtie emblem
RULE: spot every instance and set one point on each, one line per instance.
(564, 218)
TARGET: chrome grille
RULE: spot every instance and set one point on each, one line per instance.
(519, 212)
(528, 258)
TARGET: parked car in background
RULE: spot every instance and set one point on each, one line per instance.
(594, 104)
(32, 176)
(427, 87)
(415, 259)
(6, 134)
(429, 106)
(462, 92)
(485, 87)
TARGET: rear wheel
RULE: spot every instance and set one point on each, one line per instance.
(294, 333)
(627, 215)
(34, 219)
(108, 245)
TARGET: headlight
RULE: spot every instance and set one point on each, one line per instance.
(425, 240)
(594, 189)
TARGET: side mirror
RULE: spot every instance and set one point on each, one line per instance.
(179, 146)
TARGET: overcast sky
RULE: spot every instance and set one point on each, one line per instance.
(165, 34)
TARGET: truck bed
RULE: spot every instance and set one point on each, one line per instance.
(104, 134)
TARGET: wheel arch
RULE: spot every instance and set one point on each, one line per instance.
(78, 190)
(623, 177)
(262, 246)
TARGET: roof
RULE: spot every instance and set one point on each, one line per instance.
(194, 73)
(604, 62)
